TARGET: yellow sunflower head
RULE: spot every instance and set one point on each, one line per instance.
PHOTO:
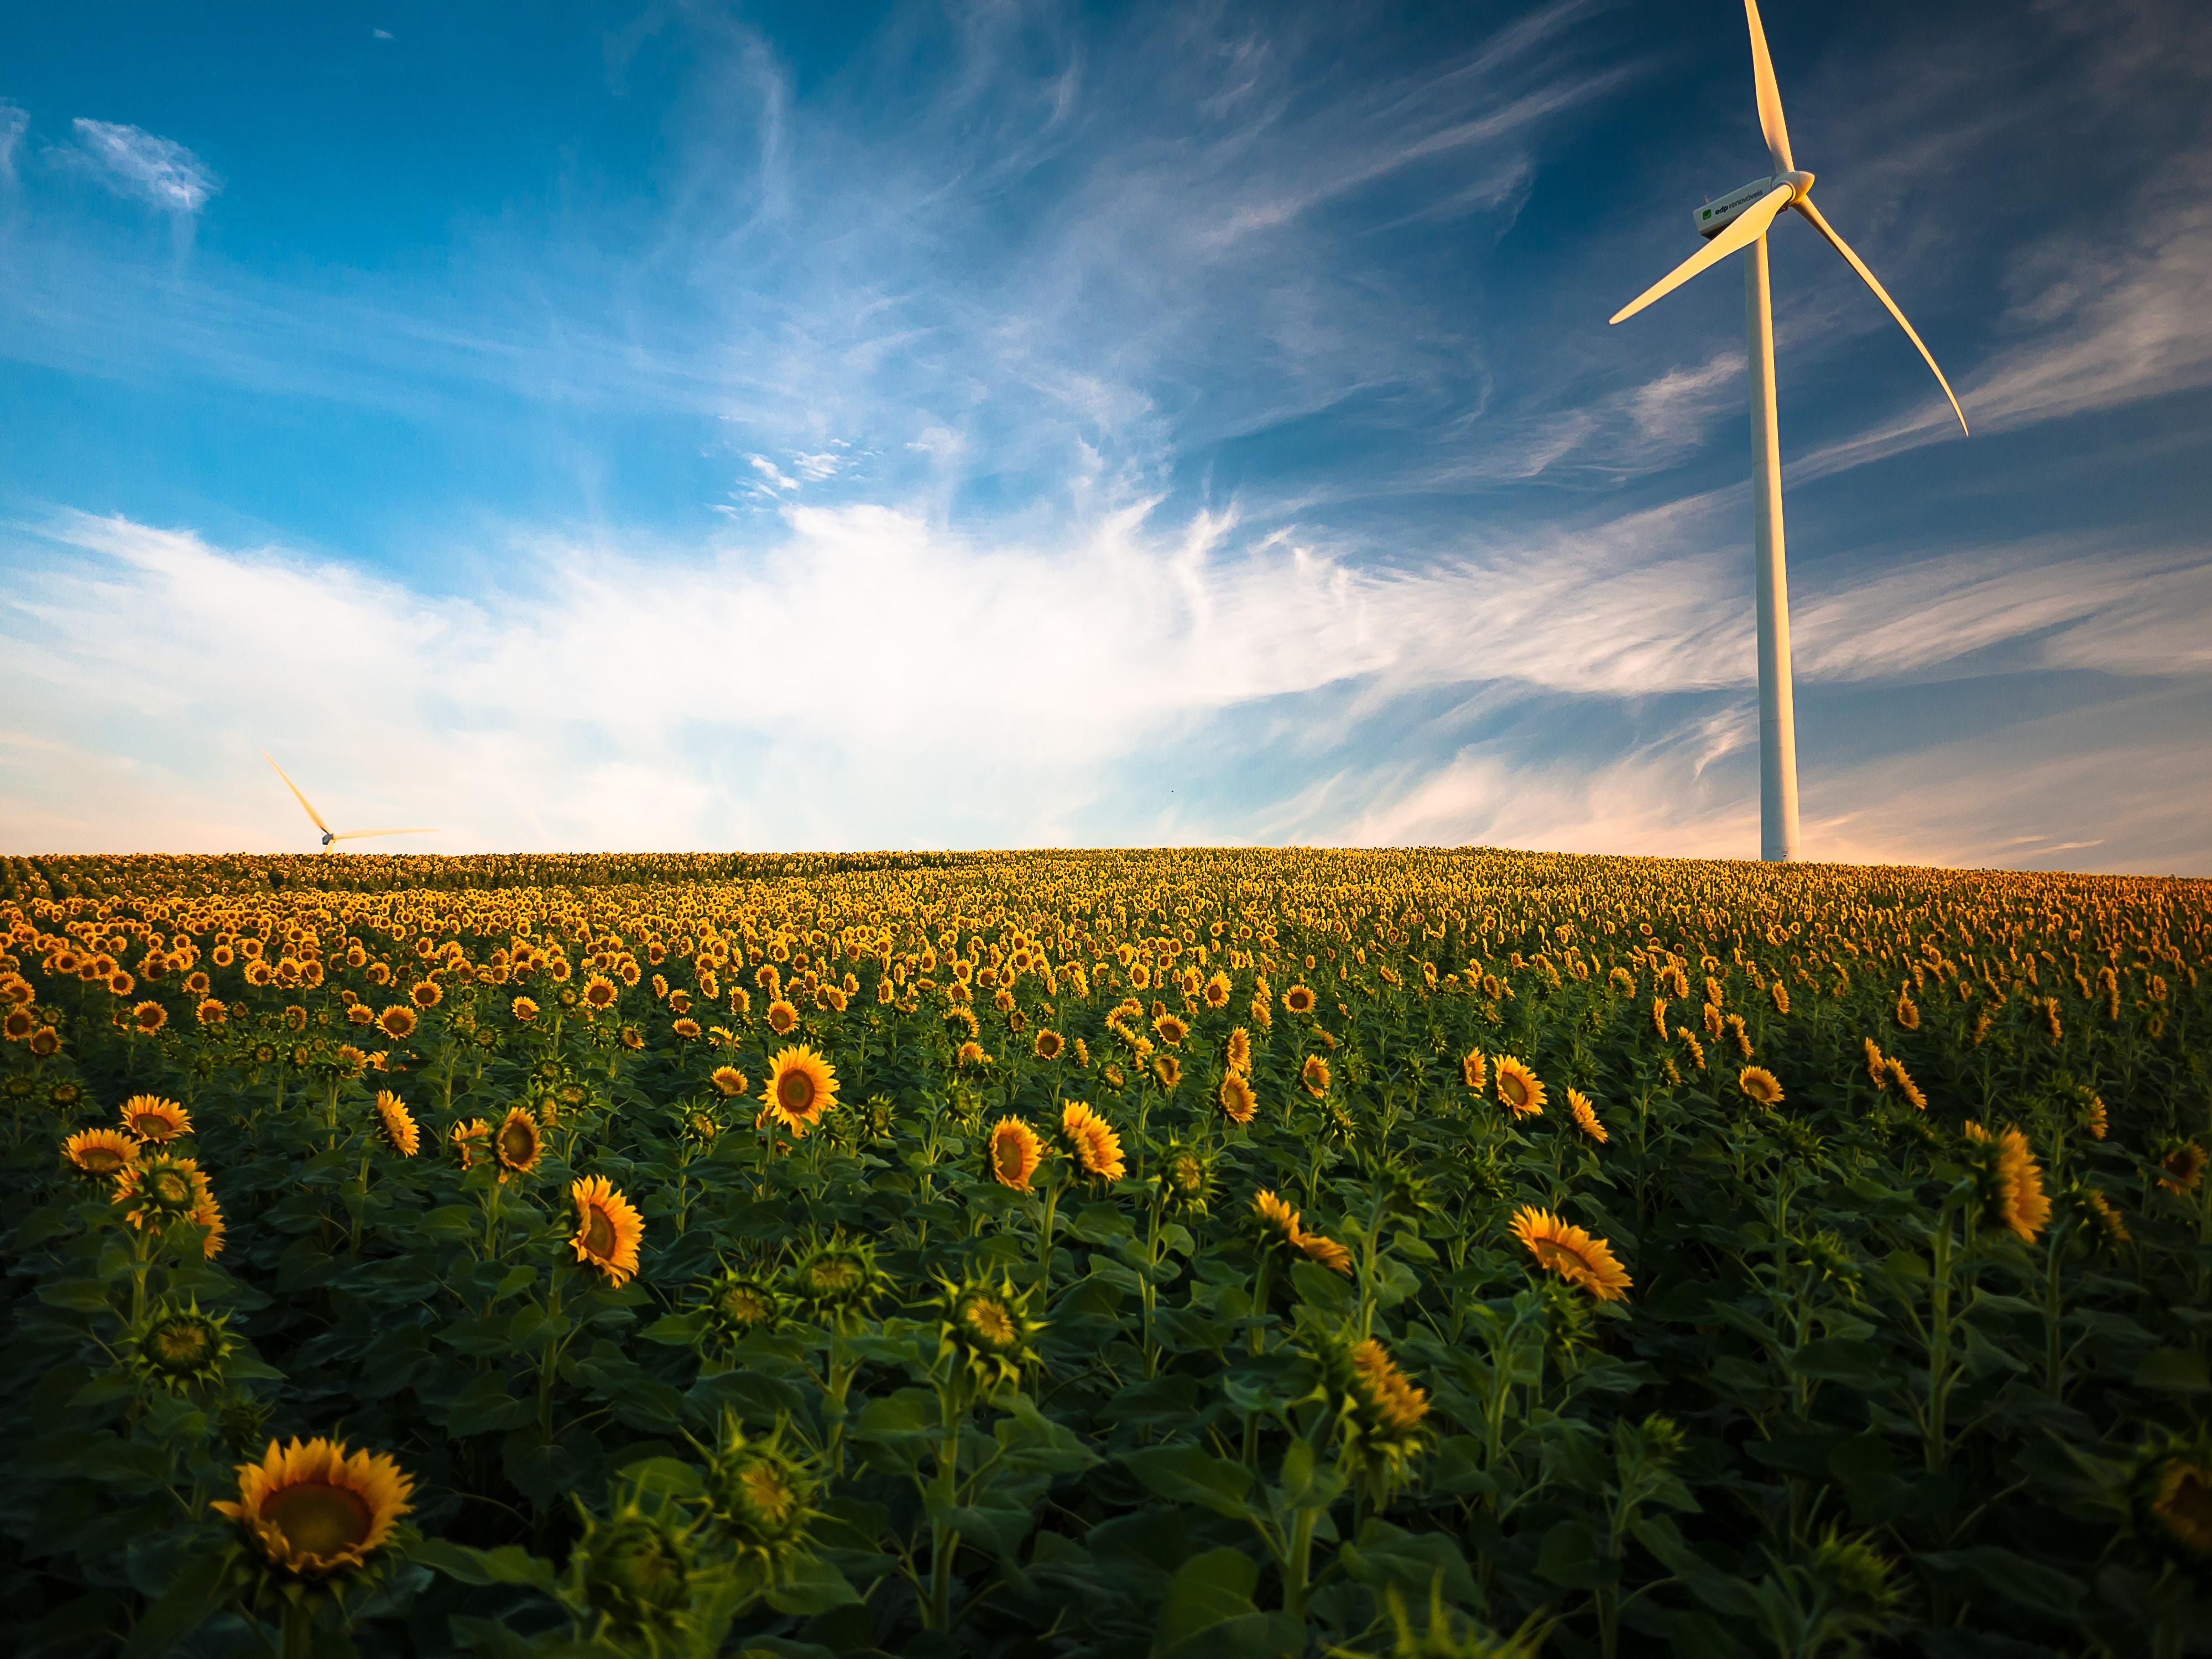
(801, 1086)
(1238, 1103)
(397, 1124)
(729, 1082)
(1298, 999)
(151, 1118)
(1240, 1051)
(1315, 1075)
(1092, 1142)
(1474, 1070)
(99, 1153)
(609, 1229)
(397, 1022)
(1585, 1116)
(1759, 1084)
(518, 1143)
(179, 1349)
(314, 1510)
(1572, 1253)
(1016, 1152)
(2010, 1181)
(1049, 1043)
(1519, 1088)
(782, 1017)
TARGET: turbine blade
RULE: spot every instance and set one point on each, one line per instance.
(1770, 95)
(1858, 264)
(296, 795)
(1747, 228)
(355, 834)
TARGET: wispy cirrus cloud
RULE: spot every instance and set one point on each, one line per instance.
(134, 163)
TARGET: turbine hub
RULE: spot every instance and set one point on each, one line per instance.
(1800, 183)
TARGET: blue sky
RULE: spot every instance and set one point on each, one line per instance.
(1006, 424)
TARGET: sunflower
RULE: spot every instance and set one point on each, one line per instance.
(1092, 1142)
(149, 1016)
(397, 1124)
(1217, 990)
(1908, 1016)
(469, 1141)
(1315, 1075)
(1518, 1087)
(1016, 1152)
(1049, 1043)
(525, 1010)
(2011, 1179)
(1171, 1029)
(518, 1143)
(1474, 1070)
(427, 994)
(686, 1029)
(608, 1228)
(1893, 1071)
(840, 1280)
(987, 1325)
(1280, 1222)
(2180, 1501)
(1240, 1051)
(801, 1086)
(314, 1510)
(2182, 1167)
(157, 1189)
(1760, 1084)
(149, 1117)
(782, 1017)
(737, 1303)
(970, 1055)
(630, 1037)
(1572, 1253)
(397, 1022)
(600, 993)
(1237, 1100)
(1167, 1070)
(99, 1152)
(1326, 1251)
(729, 1082)
(1877, 1067)
(1585, 1116)
(1298, 999)
(179, 1349)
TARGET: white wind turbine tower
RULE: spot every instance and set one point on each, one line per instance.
(1740, 220)
(328, 834)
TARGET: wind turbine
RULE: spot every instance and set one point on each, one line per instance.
(328, 834)
(1741, 220)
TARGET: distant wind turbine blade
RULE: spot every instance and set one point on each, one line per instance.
(1770, 95)
(355, 834)
(1858, 264)
(1747, 230)
(296, 795)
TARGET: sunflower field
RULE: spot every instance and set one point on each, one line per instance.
(1120, 1254)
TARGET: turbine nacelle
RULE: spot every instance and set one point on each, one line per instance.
(1714, 217)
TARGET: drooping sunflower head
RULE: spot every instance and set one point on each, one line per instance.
(1240, 1051)
(1474, 1070)
(1016, 1151)
(729, 1082)
(98, 1154)
(153, 1118)
(1519, 1088)
(1760, 1086)
(1560, 1247)
(2181, 1166)
(315, 1510)
(518, 1143)
(1091, 1141)
(801, 1086)
(179, 1349)
(1279, 1222)
(469, 1140)
(1585, 1116)
(1167, 1071)
(158, 1189)
(395, 1124)
(1315, 1075)
(2098, 1227)
(2172, 1495)
(2010, 1181)
(609, 1229)
(1238, 1103)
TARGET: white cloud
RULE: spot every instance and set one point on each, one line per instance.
(157, 170)
(15, 122)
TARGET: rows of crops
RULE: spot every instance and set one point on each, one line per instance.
(1221, 1252)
